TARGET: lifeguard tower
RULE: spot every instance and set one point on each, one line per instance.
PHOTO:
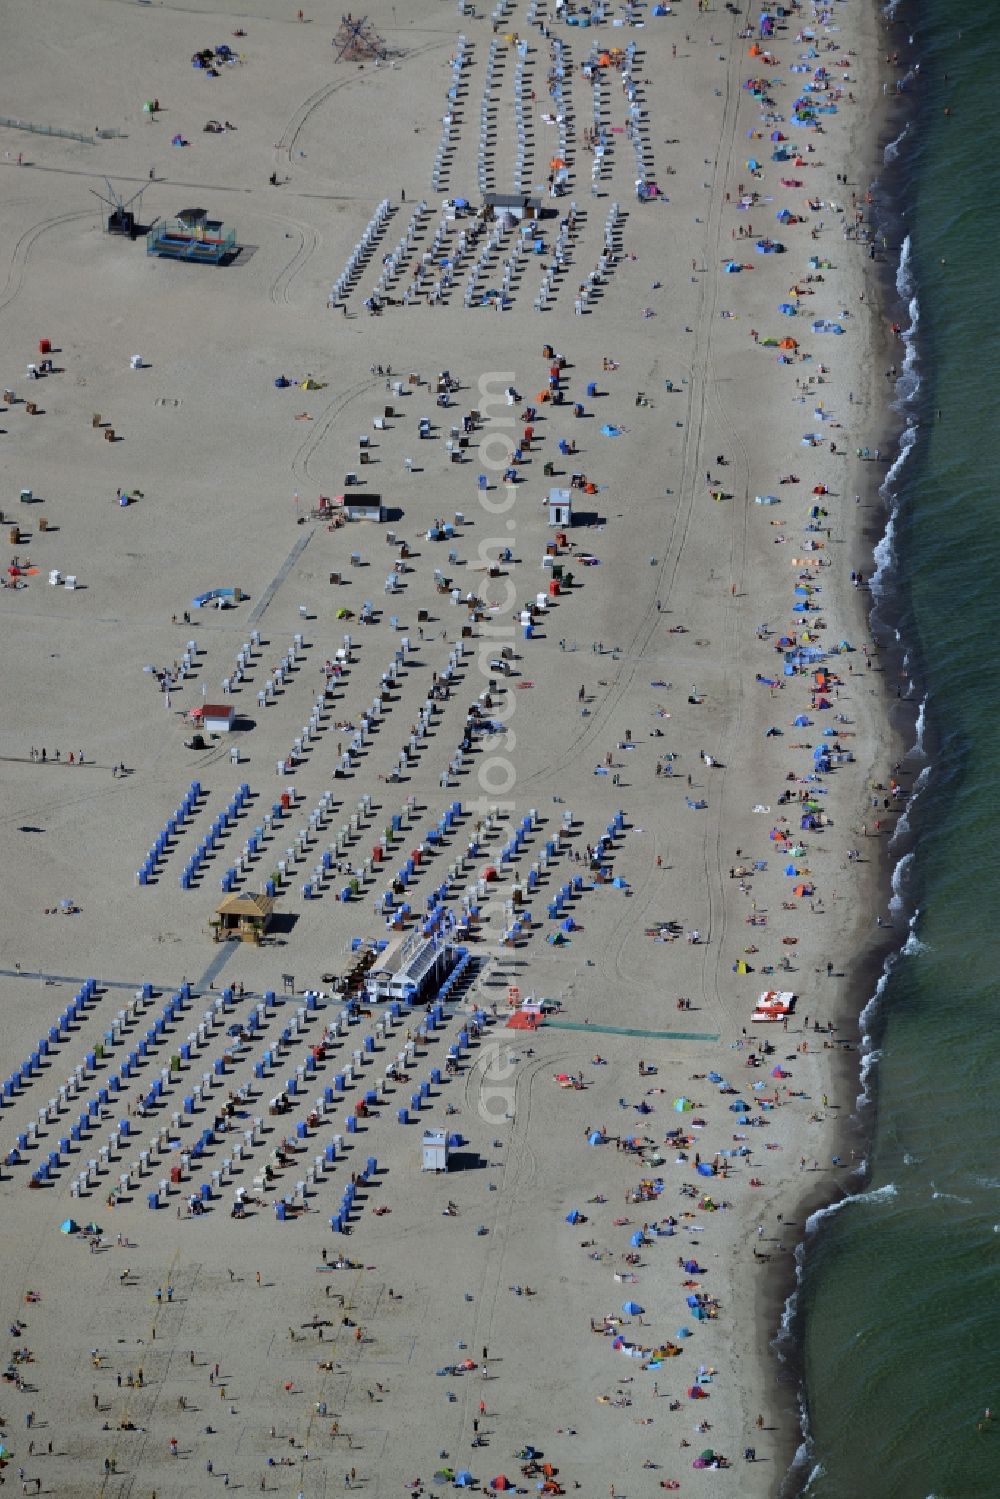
(192, 235)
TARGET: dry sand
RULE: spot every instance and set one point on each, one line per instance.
(227, 466)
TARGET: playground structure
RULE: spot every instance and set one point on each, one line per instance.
(121, 219)
(358, 41)
(192, 235)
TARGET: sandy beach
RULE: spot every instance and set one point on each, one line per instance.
(679, 776)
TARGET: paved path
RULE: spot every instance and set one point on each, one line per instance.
(281, 575)
(625, 1030)
(213, 970)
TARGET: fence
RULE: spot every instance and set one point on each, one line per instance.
(70, 135)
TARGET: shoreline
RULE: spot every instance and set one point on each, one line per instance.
(889, 118)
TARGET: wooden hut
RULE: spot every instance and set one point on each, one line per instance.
(244, 916)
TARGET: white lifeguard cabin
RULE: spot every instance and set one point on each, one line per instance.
(435, 1150)
(560, 507)
(217, 718)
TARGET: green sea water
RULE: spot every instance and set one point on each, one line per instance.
(898, 1309)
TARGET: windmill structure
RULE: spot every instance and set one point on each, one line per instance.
(121, 219)
(358, 41)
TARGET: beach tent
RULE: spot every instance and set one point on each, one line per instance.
(695, 1392)
(500, 1483)
(632, 1308)
(741, 966)
(573, 1216)
(705, 1168)
(69, 1226)
(637, 1240)
(464, 1479)
(597, 1138)
(683, 1105)
(788, 343)
(739, 1107)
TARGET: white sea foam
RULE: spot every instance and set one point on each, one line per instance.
(884, 554)
(892, 150)
(790, 1309)
(904, 275)
(877, 1194)
(949, 1197)
(908, 383)
(869, 1061)
(867, 1013)
(899, 877)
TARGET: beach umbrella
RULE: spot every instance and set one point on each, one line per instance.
(500, 1482)
(788, 343)
(708, 1455)
(631, 1308)
(573, 1216)
(682, 1105)
(696, 1392)
(636, 1239)
(69, 1226)
(705, 1168)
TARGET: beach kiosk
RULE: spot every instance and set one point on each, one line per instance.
(243, 917)
(217, 718)
(519, 206)
(411, 969)
(435, 1150)
(560, 507)
(361, 506)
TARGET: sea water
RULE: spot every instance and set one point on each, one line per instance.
(898, 1308)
